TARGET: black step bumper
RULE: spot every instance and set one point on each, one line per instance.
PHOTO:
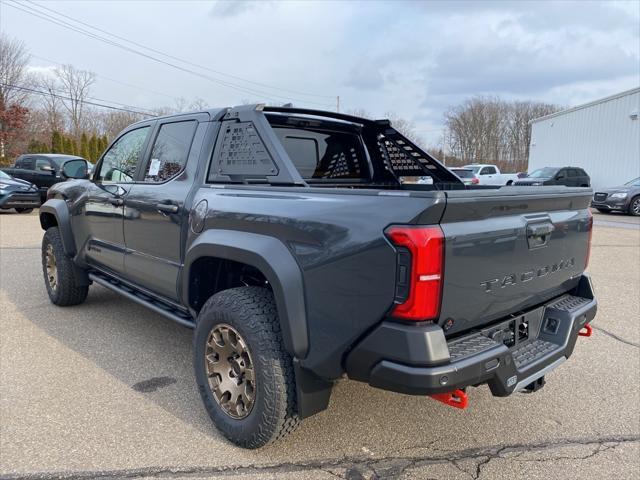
(418, 359)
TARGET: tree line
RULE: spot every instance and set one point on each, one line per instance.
(89, 148)
(54, 112)
(492, 130)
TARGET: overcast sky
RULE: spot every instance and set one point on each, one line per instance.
(414, 58)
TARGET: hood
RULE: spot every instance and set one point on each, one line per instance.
(621, 188)
(15, 184)
(530, 180)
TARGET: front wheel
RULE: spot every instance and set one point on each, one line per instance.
(59, 272)
(243, 372)
(634, 207)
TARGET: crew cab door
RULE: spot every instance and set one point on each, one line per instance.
(155, 217)
(104, 208)
(24, 168)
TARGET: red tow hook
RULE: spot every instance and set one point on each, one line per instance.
(456, 399)
(586, 331)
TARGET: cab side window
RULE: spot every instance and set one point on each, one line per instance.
(488, 171)
(121, 160)
(170, 151)
(27, 163)
(42, 164)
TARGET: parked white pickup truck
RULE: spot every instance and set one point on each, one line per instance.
(487, 174)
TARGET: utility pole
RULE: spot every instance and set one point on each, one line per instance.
(444, 151)
(338, 104)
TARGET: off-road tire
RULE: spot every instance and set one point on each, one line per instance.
(24, 210)
(67, 291)
(251, 311)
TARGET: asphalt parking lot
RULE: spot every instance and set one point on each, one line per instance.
(106, 390)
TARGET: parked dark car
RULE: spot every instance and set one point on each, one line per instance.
(569, 176)
(464, 174)
(625, 198)
(41, 169)
(287, 239)
(18, 194)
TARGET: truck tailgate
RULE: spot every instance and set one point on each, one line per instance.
(509, 250)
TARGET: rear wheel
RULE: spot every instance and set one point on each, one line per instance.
(634, 206)
(244, 374)
(59, 272)
(24, 210)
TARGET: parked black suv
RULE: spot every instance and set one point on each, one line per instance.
(287, 239)
(41, 169)
(569, 176)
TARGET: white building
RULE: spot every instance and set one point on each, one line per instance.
(602, 137)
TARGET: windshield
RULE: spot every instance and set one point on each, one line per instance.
(462, 173)
(473, 169)
(4, 175)
(633, 183)
(545, 172)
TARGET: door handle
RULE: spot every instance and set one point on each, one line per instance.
(118, 202)
(167, 208)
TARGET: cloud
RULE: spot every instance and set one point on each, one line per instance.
(233, 8)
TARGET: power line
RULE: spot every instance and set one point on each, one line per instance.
(112, 79)
(203, 67)
(59, 90)
(64, 97)
(62, 23)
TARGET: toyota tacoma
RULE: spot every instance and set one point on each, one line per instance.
(297, 247)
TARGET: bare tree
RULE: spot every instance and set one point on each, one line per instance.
(488, 129)
(113, 122)
(198, 104)
(76, 85)
(405, 127)
(14, 58)
(51, 103)
(401, 124)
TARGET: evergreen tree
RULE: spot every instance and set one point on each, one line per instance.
(93, 149)
(67, 146)
(36, 146)
(84, 146)
(57, 144)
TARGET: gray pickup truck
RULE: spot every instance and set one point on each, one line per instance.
(295, 245)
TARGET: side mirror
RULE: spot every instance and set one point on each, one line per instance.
(559, 177)
(75, 169)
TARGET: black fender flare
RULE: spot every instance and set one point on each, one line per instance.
(60, 210)
(275, 261)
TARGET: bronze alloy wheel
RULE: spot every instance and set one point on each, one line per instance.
(230, 371)
(52, 268)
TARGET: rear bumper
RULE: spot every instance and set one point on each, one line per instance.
(20, 200)
(418, 360)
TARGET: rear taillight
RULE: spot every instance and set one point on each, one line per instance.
(419, 274)
(475, 181)
(590, 228)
